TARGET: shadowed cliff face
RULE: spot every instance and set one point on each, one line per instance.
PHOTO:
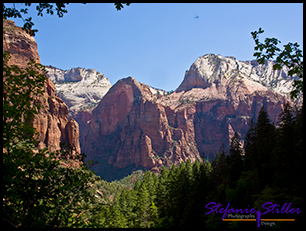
(52, 121)
(128, 128)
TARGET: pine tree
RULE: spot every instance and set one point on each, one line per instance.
(155, 180)
(137, 185)
(193, 216)
(251, 157)
(184, 189)
(154, 215)
(174, 187)
(221, 166)
(218, 177)
(126, 205)
(148, 179)
(114, 217)
(162, 193)
(265, 143)
(285, 150)
(235, 162)
(142, 207)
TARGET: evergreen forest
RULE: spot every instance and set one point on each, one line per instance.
(269, 169)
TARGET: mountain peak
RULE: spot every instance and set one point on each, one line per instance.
(79, 87)
(212, 69)
(128, 80)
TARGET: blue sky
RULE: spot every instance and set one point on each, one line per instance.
(157, 43)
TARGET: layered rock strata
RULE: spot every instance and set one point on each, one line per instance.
(213, 69)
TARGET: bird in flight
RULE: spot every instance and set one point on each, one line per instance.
(196, 16)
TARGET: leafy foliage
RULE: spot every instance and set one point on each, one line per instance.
(38, 190)
(12, 12)
(49, 8)
(119, 6)
(291, 56)
(20, 90)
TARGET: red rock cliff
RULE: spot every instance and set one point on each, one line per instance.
(129, 128)
(52, 121)
(133, 127)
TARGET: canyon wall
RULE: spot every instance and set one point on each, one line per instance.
(52, 122)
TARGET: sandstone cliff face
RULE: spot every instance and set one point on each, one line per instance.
(52, 121)
(128, 128)
(82, 118)
(226, 95)
(135, 127)
(21, 45)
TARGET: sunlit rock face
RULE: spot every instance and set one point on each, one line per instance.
(214, 69)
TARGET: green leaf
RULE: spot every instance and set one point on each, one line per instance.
(277, 66)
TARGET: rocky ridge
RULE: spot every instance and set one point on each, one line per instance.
(79, 87)
(82, 89)
(52, 122)
(213, 69)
